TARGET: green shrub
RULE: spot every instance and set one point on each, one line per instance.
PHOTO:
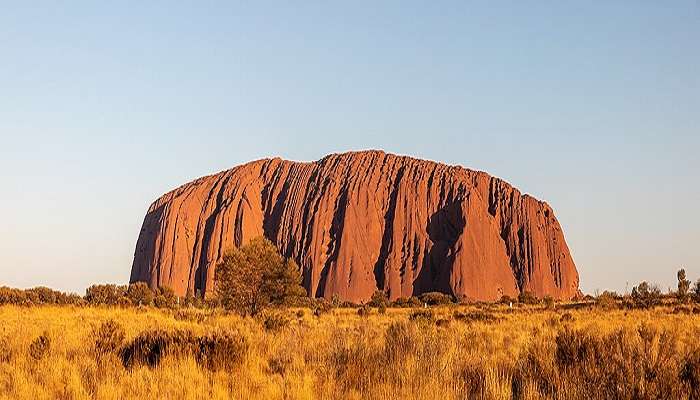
(645, 295)
(192, 301)
(12, 296)
(321, 307)
(378, 299)
(140, 294)
(165, 298)
(607, 300)
(37, 296)
(336, 302)
(411, 302)
(527, 298)
(107, 294)
(255, 276)
(436, 298)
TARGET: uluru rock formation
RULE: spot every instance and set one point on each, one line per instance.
(359, 222)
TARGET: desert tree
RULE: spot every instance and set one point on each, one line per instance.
(646, 295)
(683, 286)
(379, 299)
(165, 297)
(140, 294)
(250, 278)
(107, 294)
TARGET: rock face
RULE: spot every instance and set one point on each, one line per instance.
(358, 222)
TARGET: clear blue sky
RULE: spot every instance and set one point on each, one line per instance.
(592, 107)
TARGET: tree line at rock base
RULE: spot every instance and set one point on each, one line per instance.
(254, 277)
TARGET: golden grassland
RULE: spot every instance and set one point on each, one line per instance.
(488, 352)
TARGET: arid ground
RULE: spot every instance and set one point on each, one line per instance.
(446, 352)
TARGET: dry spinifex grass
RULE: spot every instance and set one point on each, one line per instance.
(448, 352)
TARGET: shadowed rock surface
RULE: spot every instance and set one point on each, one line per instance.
(361, 221)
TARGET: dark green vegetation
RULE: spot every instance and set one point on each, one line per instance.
(254, 277)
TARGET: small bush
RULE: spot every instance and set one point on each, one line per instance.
(109, 338)
(300, 314)
(527, 298)
(140, 294)
(107, 294)
(607, 300)
(336, 302)
(505, 299)
(216, 352)
(165, 298)
(442, 322)
(193, 301)
(40, 347)
(124, 302)
(379, 299)
(382, 309)
(147, 349)
(645, 295)
(36, 296)
(322, 306)
(436, 298)
(364, 311)
(411, 302)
